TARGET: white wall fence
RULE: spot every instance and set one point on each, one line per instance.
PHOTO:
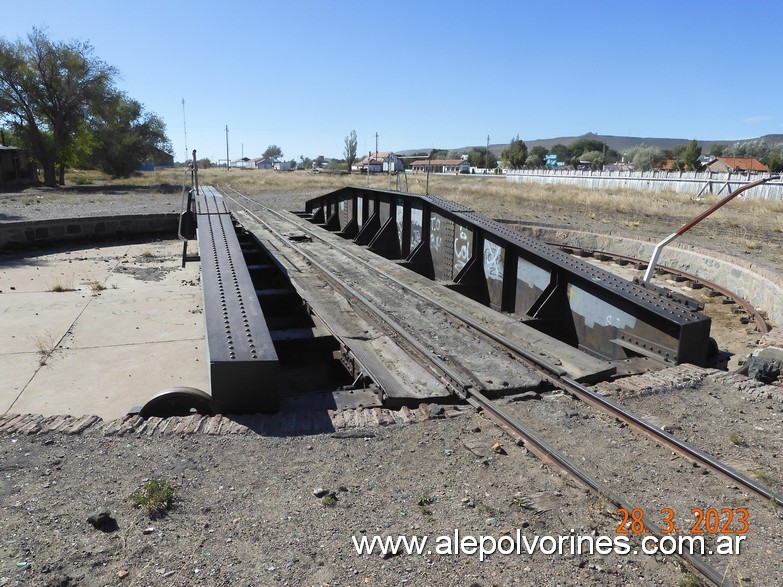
(690, 182)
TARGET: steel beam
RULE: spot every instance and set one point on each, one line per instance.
(243, 363)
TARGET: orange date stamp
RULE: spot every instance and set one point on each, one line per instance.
(706, 521)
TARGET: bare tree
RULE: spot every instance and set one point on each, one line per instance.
(350, 149)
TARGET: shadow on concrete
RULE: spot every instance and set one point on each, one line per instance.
(162, 188)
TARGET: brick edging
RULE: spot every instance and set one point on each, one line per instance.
(278, 424)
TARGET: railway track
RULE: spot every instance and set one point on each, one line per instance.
(464, 383)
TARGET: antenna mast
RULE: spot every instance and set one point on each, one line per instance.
(185, 125)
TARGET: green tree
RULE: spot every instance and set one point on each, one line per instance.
(273, 152)
(539, 152)
(757, 149)
(645, 157)
(476, 157)
(774, 163)
(438, 154)
(351, 143)
(690, 156)
(595, 158)
(585, 145)
(47, 90)
(515, 155)
(718, 150)
(125, 136)
(336, 164)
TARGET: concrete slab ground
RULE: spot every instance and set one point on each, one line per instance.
(98, 329)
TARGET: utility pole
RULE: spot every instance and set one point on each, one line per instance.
(228, 161)
(185, 125)
(486, 158)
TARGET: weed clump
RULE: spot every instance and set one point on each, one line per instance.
(156, 496)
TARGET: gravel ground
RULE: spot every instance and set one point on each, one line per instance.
(248, 510)
(282, 510)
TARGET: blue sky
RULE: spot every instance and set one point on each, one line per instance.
(302, 75)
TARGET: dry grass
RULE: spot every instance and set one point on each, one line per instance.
(61, 287)
(45, 343)
(494, 196)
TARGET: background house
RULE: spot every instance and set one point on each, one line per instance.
(157, 158)
(16, 166)
(262, 163)
(441, 165)
(380, 161)
(738, 164)
(243, 163)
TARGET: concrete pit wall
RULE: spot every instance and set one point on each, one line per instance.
(18, 235)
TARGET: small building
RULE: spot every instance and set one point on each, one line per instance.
(737, 164)
(262, 163)
(441, 166)
(243, 163)
(379, 162)
(16, 166)
(282, 165)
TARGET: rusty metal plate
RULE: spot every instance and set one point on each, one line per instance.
(345, 205)
(441, 239)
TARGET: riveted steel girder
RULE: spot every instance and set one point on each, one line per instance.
(243, 363)
(556, 293)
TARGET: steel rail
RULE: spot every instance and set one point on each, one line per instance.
(550, 455)
(465, 387)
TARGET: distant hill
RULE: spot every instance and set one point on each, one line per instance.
(619, 144)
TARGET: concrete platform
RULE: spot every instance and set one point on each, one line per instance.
(98, 329)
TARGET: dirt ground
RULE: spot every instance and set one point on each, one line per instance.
(284, 510)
